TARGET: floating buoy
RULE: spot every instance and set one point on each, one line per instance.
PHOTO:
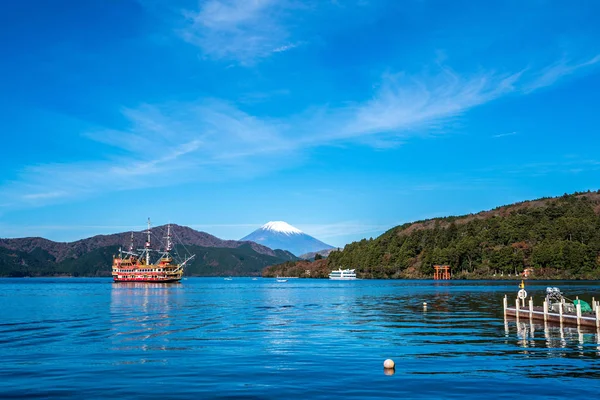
(424, 304)
(389, 364)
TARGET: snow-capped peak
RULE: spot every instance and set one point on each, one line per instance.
(280, 226)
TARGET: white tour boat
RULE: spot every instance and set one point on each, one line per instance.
(342, 274)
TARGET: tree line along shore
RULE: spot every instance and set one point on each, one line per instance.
(554, 238)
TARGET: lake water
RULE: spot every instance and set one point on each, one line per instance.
(244, 338)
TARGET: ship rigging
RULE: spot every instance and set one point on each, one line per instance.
(136, 266)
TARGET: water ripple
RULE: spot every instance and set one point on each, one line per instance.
(308, 338)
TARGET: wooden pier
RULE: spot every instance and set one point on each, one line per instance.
(521, 311)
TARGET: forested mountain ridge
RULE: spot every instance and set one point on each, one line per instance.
(555, 237)
(93, 256)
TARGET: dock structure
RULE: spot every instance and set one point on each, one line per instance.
(564, 315)
(441, 272)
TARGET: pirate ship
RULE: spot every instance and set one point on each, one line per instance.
(137, 266)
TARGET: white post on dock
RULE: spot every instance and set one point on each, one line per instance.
(560, 313)
(517, 311)
(505, 303)
(530, 308)
(545, 310)
(578, 307)
(597, 315)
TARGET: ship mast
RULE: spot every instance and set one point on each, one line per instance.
(169, 243)
(148, 245)
(131, 244)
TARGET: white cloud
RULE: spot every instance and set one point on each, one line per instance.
(403, 102)
(241, 30)
(500, 135)
(177, 142)
(285, 47)
(45, 195)
(552, 73)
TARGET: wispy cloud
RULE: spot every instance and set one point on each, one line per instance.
(240, 30)
(285, 47)
(404, 102)
(500, 135)
(200, 140)
(552, 73)
(564, 165)
(45, 195)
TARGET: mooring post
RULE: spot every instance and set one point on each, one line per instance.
(560, 312)
(517, 311)
(505, 303)
(545, 310)
(530, 308)
(578, 308)
(597, 315)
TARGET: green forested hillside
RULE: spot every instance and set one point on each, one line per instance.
(209, 261)
(240, 261)
(15, 263)
(558, 238)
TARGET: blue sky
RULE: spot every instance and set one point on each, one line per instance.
(343, 118)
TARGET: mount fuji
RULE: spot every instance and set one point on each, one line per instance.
(281, 235)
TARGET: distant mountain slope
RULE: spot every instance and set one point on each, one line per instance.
(312, 254)
(93, 256)
(556, 237)
(281, 235)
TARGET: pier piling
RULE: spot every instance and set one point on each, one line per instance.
(560, 312)
(566, 313)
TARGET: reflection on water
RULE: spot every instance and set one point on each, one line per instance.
(305, 339)
(532, 334)
(139, 313)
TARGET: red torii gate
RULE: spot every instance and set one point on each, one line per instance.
(441, 272)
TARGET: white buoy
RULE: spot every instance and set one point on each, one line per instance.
(424, 304)
(389, 364)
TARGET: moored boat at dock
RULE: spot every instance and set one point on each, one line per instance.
(137, 266)
(555, 308)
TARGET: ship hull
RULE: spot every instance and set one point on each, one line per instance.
(153, 280)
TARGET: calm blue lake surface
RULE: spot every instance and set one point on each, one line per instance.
(244, 338)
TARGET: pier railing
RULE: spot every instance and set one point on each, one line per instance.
(562, 316)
